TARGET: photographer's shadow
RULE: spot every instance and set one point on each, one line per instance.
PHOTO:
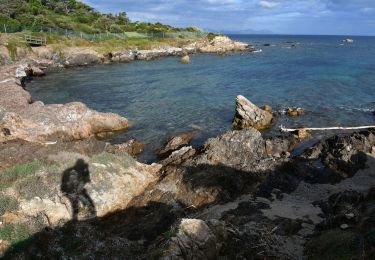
(73, 185)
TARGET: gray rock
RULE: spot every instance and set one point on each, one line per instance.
(81, 57)
(124, 56)
(249, 115)
(197, 239)
(175, 143)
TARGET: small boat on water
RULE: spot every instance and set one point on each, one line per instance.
(260, 50)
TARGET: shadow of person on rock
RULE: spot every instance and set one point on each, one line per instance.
(73, 187)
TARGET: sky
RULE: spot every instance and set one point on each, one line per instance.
(332, 17)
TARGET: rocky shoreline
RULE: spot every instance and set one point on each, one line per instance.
(239, 196)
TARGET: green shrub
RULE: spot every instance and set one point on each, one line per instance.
(14, 233)
(10, 176)
(7, 203)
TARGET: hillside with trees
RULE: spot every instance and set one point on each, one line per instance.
(74, 15)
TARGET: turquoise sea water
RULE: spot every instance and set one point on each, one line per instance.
(334, 83)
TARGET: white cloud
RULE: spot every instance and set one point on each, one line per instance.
(268, 4)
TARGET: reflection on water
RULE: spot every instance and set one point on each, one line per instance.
(335, 84)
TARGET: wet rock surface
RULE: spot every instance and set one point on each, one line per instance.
(295, 111)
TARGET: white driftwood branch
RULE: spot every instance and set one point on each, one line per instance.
(283, 129)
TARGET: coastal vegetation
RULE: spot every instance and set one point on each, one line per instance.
(35, 15)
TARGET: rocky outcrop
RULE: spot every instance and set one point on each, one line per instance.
(156, 53)
(131, 147)
(222, 44)
(123, 56)
(196, 239)
(113, 181)
(175, 143)
(22, 119)
(249, 115)
(80, 57)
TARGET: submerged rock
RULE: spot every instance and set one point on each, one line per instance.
(249, 115)
(185, 59)
(295, 111)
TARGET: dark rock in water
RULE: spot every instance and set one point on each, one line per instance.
(132, 147)
(344, 155)
(175, 143)
(266, 44)
(373, 112)
(249, 115)
(295, 111)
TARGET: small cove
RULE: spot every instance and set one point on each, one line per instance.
(334, 83)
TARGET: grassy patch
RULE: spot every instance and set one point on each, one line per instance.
(12, 49)
(14, 233)
(7, 203)
(9, 176)
(104, 158)
(27, 183)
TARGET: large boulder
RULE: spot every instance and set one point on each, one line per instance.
(33, 121)
(70, 121)
(80, 57)
(249, 115)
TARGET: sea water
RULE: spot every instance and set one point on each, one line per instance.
(333, 82)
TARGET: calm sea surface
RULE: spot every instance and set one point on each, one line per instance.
(334, 83)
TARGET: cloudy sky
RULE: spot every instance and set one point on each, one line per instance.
(338, 17)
